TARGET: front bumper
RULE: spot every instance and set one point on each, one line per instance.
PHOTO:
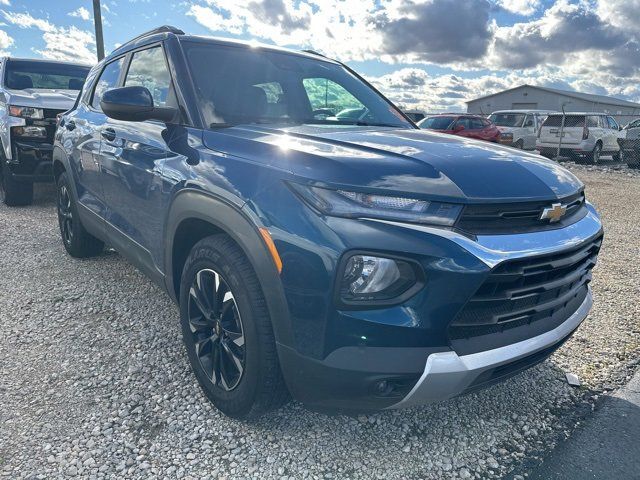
(447, 375)
(31, 161)
(407, 346)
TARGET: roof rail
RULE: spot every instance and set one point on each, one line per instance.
(313, 52)
(162, 29)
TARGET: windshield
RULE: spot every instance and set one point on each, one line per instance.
(240, 85)
(437, 123)
(507, 119)
(23, 74)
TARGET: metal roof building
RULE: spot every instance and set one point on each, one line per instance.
(543, 98)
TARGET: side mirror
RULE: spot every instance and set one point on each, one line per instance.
(458, 128)
(133, 104)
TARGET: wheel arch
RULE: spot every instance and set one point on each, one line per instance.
(194, 215)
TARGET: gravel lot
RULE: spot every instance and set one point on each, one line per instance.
(94, 381)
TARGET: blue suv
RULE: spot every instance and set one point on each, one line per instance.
(318, 243)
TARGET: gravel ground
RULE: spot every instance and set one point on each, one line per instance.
(94, 381)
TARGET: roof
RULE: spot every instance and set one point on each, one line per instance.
(455, 115)
(573, 114)
(525, 110)
(589, 97)
(164, 31)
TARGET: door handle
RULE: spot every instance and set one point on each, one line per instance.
(108, 134)
(70, 125)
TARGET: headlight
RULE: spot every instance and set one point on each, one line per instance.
(342, 203)
(26, 112)
(368, 280)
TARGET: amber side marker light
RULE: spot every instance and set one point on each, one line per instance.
(266, 236)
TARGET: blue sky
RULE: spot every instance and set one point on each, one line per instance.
(428, 54)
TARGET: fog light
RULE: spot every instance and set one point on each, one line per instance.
(369, 278)
(30, 131)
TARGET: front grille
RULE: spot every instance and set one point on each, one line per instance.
(519, 217)
(523, 298)
(52, 112)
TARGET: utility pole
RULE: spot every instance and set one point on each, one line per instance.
(97, 21)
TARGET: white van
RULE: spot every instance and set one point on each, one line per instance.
(587, 135)
(519, 127)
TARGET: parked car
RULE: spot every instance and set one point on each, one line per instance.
(355, 266)
(469, 126)
(414, 115)
(585, 135)
(33, 92)
(629, 142)
(519, 128)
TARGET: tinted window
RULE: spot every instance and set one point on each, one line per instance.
(570, 121)
(592, 121)
(23, 74)
(464, 122)
(507, 119)
(477, 124)
(230, 84)
(437, 123)
(108, 80)
(149, 69)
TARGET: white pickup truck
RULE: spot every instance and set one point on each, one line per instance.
(32, 94)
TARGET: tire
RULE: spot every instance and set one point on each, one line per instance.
(76, 240)
(519, 145)
(12, 192)
(593, 157)
(230, 343)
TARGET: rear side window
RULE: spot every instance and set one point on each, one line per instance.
(108, 80)
(570, 121)
(592, 121)
(149, 69)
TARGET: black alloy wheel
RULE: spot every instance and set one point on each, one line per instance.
(65, 214)
(217, 330)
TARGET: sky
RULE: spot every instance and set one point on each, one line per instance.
(426, 54)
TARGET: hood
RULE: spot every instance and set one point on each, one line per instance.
(43, 98)
(409, 161)
(506, 129)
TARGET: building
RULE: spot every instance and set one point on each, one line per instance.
(543, 98)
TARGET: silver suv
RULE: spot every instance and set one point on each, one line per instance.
(583, 135)
(32, 94)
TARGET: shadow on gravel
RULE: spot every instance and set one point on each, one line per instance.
(605, 446)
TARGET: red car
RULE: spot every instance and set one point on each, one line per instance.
(470, 126)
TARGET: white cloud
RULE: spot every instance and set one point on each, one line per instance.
(5, 42)
(81, 12)
(520, 7)
(61, 43)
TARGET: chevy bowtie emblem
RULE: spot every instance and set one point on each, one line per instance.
(554, 213)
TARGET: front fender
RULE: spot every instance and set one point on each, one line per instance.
(242, 226)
